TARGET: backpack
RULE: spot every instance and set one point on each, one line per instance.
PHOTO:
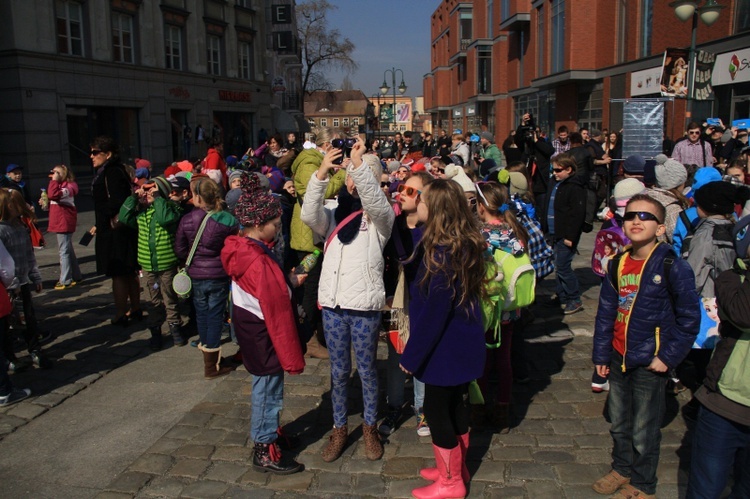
(511, 284)
(608, 243)
(541, 254)
(689, 233)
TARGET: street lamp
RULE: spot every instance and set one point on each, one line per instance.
(709, 13)
(401, 88)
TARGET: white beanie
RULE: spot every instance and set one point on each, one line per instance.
(626, 189)
(670, 173)
(458, 175)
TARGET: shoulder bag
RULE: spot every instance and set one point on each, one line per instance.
(181, 282)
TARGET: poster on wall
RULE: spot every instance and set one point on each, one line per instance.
(403, 112)
(704, 66)
(645, 82)
(674, 73)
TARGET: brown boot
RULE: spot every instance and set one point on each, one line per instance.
(336, 444)
(315, 350)
(373, 445)
(211, 367)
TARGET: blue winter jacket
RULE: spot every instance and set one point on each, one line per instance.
(662, 322)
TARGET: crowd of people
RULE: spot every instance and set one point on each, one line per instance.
(325, 247)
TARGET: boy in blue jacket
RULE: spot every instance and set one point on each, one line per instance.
(645, 325)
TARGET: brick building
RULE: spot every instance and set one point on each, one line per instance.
(563, 60)
(344, 109)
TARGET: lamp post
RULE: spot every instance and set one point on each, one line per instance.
(709, 13)
(401, 88)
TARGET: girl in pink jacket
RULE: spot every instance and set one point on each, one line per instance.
(62, 220)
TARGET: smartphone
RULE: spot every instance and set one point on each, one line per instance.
(86, 239)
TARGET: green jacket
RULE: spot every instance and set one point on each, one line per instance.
(156, 226)
(492, 152)
(304, 167)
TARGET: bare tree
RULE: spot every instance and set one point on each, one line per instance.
(347, 84)
(321, 48)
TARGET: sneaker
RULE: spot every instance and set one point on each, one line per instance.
(600, 387)
(16, 395)
(388, 426)
(40, 361)
(423, 430)
(60, 285)
(610, 483)
(573, 307)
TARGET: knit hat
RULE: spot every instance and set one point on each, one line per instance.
(142, 163)
(705, 175)
(518, 183)
(488, 137)
(626, 189)
(235, 174)
(185, 166)
(232, 197)
(669, 172)
(393, 166)
(165, 188)
(255, 206)
(458, 175)
(633, 165)
(265, 183)
(716, 198)
(741, 234)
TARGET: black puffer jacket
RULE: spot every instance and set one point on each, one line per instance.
(570, 208)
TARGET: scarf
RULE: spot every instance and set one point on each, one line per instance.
(347, 205)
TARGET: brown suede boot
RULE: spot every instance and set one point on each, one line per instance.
(315, 350)
(211, 367)
(373, 445)
(336, 444)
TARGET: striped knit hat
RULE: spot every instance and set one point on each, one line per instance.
(256, 206)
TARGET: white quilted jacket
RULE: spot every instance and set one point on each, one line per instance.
(352, 274)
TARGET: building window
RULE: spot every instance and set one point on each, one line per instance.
(246, 60)
(526, 104)
(213, 59)
(244, 3)
(173, 47)
(335, 122)
(323, 122)
(647, 18)
(540, 41)
(742, 17)
(484, 70)
(490, 19)
(402, 128)
(344, 121)
(355, 121)
(622, 31)
(505, 10)
(557, 43)
(122, 37)
(465, 30)
(69, 27)
(590, 106)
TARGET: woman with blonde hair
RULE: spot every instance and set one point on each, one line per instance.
(63, 217)
(446, 348)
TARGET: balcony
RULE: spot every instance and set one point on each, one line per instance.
(465, 44)
(516, 22)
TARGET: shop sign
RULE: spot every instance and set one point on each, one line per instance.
(471, 110)
(732, 67)
(179, 92)
(645, 82)
(278, 86)
(457, 113)
(233, 96)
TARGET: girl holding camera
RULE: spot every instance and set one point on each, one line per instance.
(63, 217)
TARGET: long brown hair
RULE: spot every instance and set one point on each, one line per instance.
(6, 213)
(453, 227)
(497, 195)
(18, 206)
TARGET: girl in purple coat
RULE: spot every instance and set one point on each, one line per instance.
(210, 281)
(446, 348)
(63, 216)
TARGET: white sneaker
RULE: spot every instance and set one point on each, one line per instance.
(600, 387)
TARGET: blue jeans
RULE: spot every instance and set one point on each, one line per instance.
(636, 409)
(395, 383)
(69, 270)
(266, 399)
(567, 282)
(719, 443)
(345, 329)
(210, 300)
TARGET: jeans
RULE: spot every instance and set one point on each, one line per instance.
(395, 383)
(567, 282)
(210, 301)
(345, 329)
(266, 399)
(718, 443)
(69, 270)
(636, 409)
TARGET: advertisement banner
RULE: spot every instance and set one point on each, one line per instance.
(403, 112)
(645, 82)
(386, 113)
(704, 65)
(674, 73)
(731, 67)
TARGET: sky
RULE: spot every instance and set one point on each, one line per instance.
(387, 34)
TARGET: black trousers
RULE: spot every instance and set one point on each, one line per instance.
(446, 409)
(314, 317)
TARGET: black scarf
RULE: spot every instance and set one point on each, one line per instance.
(348, 204)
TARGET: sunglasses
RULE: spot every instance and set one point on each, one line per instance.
(694, 133)
(95, 152)
(643, 216)
(408, 190)
(385, 184)
(558, 170)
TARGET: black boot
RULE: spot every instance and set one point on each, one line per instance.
(267, 459)
(155, 342)
(176, 331)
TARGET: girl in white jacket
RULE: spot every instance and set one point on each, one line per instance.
(351, 289)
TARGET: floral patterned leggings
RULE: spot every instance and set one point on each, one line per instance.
(345, 329)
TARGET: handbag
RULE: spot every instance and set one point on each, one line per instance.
(181, 282)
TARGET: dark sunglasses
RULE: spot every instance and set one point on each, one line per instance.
(558, 170)
(694, 133)
(343, 143)
(95, 152)
(408, 190)
(385, 184)
(643, 216)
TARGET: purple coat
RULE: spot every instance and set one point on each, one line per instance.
(206, 263)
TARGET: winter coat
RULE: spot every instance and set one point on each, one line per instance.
(708, 258)
(541, 151)
(157, 225)
(663, 320)
(673, 207)
(491, 152)
(303, 168)
(206, 262)
(16, 238)
(570, 208)
(462, 151)
(263, 313)
(63, 215)
(446, 344)
(352, 274)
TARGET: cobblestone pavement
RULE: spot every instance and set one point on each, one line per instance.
(558, 445)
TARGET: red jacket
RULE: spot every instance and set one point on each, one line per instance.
(214, 161)
(63, 215)
(263, 311)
